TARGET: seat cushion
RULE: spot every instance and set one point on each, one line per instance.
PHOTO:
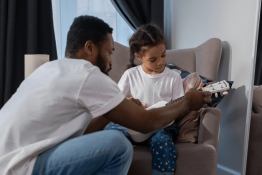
(141, 163)
(193, 156)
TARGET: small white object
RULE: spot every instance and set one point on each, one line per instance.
(32, 62)
(225, 93)
(216, 95)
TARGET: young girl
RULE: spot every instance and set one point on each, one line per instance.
(148, 84)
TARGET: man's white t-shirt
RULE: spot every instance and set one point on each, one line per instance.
(55, 103)
(151, 89)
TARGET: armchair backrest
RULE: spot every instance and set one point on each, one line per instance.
(204, 59)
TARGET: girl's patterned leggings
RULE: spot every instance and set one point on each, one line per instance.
(162, 148)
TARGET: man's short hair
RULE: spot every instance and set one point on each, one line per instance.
(86, 28)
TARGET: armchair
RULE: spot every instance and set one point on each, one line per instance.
(200, 158)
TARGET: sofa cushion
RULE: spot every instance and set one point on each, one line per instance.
(189, 155)
(257, 99)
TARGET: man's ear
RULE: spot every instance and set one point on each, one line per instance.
(138, 57)
(89, 47)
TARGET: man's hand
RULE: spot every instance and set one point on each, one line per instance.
(196, 99)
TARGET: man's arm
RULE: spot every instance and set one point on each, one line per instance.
(96, 124)
(132, 116)
(99, 123)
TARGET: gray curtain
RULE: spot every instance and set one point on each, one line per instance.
(26, 27)
(139, 12)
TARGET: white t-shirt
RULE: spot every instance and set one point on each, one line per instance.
(55, 103)
(150, 89)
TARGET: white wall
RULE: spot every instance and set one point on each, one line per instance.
(192, 23)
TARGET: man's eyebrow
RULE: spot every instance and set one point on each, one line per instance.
(164, 52)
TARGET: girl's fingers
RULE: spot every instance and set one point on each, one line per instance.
(138, 102)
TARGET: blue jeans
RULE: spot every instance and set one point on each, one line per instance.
(100, 153)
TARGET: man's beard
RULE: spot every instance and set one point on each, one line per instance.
(101, 63)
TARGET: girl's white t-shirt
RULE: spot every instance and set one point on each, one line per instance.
(55, 103)
(150, 89)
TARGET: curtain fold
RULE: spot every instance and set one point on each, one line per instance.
(137, 12)
(26, 27)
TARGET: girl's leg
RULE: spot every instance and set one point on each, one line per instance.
(163, 151)
(119, 128)
(101, 153)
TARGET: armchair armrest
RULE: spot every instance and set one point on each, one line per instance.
(255, 144)
(209, 127)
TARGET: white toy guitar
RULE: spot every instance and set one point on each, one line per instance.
(221, 87)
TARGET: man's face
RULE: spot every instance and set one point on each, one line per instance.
(103, 60)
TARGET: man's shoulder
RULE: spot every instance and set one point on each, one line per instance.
(78, 66)
(75, 62)
(73, 69)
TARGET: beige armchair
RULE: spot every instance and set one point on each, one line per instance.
(254, 157)
(200, 158)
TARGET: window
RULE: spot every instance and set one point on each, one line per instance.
(64, 12)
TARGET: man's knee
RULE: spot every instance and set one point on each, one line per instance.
(120, 142)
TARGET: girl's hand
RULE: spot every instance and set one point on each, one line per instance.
(138, 102)
(145, 106)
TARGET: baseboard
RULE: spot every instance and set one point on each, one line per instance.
(228, 170)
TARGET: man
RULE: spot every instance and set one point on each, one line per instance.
(42, 125)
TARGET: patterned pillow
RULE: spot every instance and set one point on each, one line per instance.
(184, 74)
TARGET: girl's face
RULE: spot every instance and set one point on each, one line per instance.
(154, 59)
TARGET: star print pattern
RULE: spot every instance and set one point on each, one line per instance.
(119, 128)
(163, 151)
(162, 148)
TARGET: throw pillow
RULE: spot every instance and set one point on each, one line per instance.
(189, 125)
